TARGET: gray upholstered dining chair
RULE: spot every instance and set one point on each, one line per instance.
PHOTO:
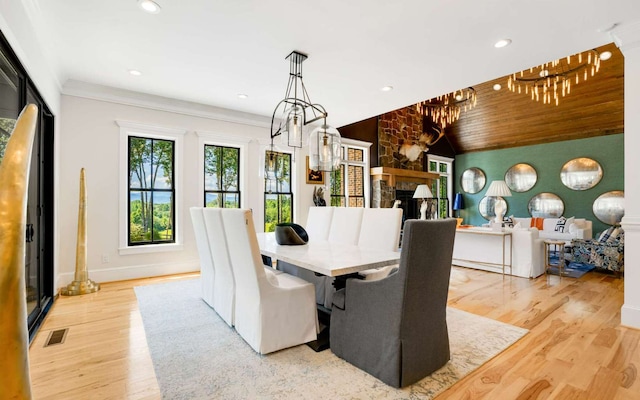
(395, 328)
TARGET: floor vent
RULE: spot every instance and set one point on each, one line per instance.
(56, 337)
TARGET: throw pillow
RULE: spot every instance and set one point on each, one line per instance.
(604, 236)
(560, 225)
(537, 223)
(508, 221)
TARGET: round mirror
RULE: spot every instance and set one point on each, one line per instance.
(609, 207)
(473, 180)
(581, 173)
(488, 204)
(546, 205)
(521, 177)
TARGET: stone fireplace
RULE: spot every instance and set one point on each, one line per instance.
(397, 176)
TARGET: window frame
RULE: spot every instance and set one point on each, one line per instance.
(449, 174)
(365, 163)
(292, 171)
(152, 191)
(128, 129)
(218, 139)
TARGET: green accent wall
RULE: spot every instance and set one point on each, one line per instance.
(548, 160)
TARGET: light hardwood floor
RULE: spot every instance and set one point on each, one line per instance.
(576, 348)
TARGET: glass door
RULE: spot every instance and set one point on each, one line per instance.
(16, 90)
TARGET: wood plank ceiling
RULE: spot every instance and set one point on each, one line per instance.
(503, 119)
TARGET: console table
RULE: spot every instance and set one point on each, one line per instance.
(484, 248)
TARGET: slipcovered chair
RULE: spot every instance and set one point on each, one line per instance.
(207, 272)
(317, 227)
(380, 229)
(224, 292)
(395, 328)
(605, 254)
(272, 312)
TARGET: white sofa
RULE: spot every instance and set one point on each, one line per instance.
(476, 250)
(574, 228)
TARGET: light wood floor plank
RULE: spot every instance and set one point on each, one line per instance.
(576, 348)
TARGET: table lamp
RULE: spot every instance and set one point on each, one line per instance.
(422, 192)
(498, 189)
(458, 204)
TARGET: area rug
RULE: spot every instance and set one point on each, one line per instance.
(197, 356)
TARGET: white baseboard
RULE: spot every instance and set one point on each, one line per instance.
(630, 316)
(133, 272)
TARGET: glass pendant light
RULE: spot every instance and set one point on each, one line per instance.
(325, 148)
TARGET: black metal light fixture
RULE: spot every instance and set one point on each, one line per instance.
(295, 112)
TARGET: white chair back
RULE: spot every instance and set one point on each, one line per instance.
(272, 311)
(207, 271)
(319, 222)
(225, 286)
(380, 228)
(345, 225)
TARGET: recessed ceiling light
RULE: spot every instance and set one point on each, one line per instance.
(605, 55)
(387, 88)
(502, 43)
(149, 6)
(242, 96)
(135, 72)
(497, 87)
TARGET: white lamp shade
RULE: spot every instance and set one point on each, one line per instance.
(422, 192)
(498, 188)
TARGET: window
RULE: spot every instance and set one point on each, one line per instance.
(221, 176)
(350, 183)
(278, 198)
(151, 191)
(442, 188)
(150, 203)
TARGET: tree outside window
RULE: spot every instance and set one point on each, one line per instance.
(151, 191)
(347, 182)
(221, 176)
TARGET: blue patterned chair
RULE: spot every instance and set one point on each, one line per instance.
(606, 253)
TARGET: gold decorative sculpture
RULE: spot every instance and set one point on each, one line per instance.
(81, 283)
(15, 382)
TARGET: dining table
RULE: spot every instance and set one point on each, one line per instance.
(334, 259)
(327, 258)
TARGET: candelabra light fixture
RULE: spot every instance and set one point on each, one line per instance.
(551, 80)
(445, 110)
(294, 115)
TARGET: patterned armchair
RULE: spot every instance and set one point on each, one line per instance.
(606, 253)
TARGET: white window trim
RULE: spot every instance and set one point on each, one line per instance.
(364, 146)
(217, 139)
(154, 132)
(448, 160)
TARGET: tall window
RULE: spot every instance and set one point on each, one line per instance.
(221, 176)
(443, 186)
(278, 198)
(151, 191)
(349, 183)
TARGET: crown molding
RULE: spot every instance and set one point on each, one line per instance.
(159, 103)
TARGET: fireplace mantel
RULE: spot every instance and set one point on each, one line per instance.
(393, 175)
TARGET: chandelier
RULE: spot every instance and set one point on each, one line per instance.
(295, 114)
(445, 110)
(553, 79)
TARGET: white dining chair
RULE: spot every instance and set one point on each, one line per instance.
(380, 229)
(319, 222)
(345, 225)
(273, 312)
(207, 271)
(224, 287)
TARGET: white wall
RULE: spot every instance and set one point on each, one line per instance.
(89, 137)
